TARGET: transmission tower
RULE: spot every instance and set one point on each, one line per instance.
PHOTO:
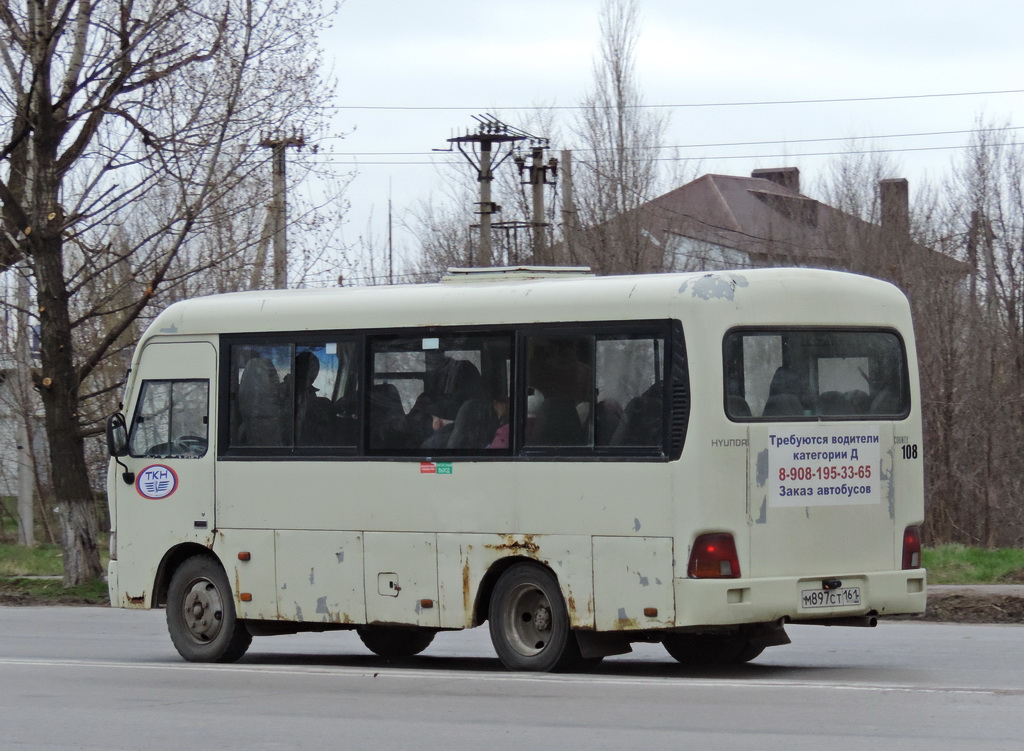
(536, 174)
(485, 153)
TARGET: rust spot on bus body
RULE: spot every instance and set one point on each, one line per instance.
(625, 623)
(511, 544)
(577, 618)
(466, 598)
(139, 602)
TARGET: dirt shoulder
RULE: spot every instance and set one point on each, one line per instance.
(990, 603)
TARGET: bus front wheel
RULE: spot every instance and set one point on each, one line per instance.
(201, 613)
(529, 622)
(395, 642)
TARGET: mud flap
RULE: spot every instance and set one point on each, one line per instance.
(767, 634)
(594, 644)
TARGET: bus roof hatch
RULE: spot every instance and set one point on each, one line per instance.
(514, 273)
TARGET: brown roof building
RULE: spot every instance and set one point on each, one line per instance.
(727, 221)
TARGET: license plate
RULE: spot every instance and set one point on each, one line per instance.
(830, 598)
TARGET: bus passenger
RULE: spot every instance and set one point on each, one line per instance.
(443, 411)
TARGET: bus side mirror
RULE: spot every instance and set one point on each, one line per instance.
(117, 435)
(117, 444)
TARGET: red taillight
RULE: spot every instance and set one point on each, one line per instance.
(714, 557)
(912, 547)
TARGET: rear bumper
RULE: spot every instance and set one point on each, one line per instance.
(721, 602)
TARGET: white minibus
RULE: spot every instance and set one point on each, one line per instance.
(580, 462)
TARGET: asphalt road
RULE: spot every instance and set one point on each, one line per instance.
(94, 678)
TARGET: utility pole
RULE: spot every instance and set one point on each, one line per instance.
(491, 134)
(568, 209)
(538, 178)
(25, 406)
(279, 206)
(25, 399)
(485, 254)
(391, 241)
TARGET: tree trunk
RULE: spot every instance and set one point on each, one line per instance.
(58, 386)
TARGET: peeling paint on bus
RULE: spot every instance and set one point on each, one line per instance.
(714, 286)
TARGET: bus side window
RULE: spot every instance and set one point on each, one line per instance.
(596, 391)
(630, 374)
(256, 417)
(444, 394)
(321, 392)
(396, 416)
(559, 373)
(298, 395)
(171, 420)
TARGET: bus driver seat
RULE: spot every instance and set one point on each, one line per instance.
(259, 404)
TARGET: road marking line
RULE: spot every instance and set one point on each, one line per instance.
(433, 674)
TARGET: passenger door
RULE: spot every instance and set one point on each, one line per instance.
(170, 429)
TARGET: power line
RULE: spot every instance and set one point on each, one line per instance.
(706, 157)
(825, 153)
(687, 105)
(721, 144)
(850, 139)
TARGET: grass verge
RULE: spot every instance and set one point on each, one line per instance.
(17, 591)
(18, 562)
(42, 560)
(960, 564)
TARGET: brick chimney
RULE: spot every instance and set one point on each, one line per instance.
(894, 196)
(787, 177)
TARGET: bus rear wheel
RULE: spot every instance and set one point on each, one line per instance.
(711, 649)
(529, 622)
(201, 613)
(395, 642)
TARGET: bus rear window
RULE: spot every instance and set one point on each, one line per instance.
(819, 374)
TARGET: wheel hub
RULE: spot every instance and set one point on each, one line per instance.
(203, 611)
(529, 620)
(542, 619)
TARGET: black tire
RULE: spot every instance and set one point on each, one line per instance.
(529, 622)
(711, 649)
(201, 613)
(395, 642)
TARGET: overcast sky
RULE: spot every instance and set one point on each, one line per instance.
(458, 58)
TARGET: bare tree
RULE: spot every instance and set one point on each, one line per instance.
(967, 302)
(616, 160)
(851, 185)
(986, 216)
(123, 142)
(441, 225)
